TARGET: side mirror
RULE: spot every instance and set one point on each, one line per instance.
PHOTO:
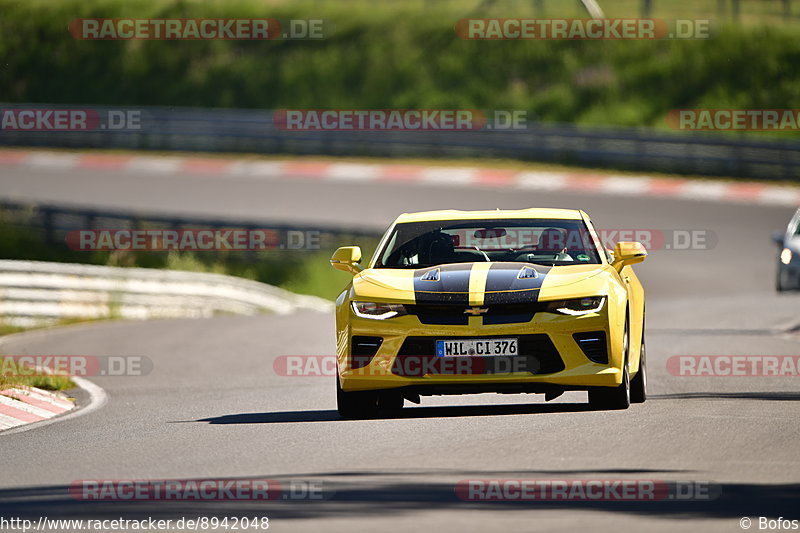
(628, 253)
(347, 259)
(777, 237)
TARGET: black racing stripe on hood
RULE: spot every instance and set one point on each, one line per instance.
(504, 277)
(451, 288)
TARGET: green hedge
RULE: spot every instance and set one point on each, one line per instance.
(388, 57)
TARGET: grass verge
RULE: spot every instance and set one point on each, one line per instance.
(14, 375)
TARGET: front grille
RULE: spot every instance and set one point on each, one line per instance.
(537, 355)
(593, 344)
(455, 315)
(450, 315)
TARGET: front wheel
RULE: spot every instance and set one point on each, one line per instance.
(390, 401)
(356, 404)
(618, 397)
(639, 381)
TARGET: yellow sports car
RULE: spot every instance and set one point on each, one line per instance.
(463, 302)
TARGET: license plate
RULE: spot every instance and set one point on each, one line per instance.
(476, 347)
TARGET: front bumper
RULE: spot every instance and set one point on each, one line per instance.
(578, 373)
(790, 275)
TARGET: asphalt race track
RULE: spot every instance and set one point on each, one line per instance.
(214, 408)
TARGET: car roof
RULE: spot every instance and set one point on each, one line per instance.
(455, 214)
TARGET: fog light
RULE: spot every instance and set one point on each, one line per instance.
(363, 349)
(593, 344)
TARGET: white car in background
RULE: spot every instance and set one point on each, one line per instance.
(789, 259)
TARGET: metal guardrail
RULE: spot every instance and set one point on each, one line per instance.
(37, 293)
(55, 221)
(240, 130)
(34, 293)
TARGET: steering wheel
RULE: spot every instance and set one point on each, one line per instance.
(486, 257)
(482, 253)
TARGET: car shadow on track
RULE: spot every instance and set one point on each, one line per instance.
(331, 415)
(777, 396)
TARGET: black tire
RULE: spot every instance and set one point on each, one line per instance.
(639, 381)
(779, 286)
(357, 404)
(390, 401)
(612, 398)
(780, 281)
(618, 397)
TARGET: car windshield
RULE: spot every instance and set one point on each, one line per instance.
(796, 223)
(538, 241)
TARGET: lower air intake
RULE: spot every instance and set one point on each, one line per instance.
(594, 345)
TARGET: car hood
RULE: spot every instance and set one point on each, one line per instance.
(482, 283)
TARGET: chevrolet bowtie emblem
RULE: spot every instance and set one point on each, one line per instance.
(476, 310)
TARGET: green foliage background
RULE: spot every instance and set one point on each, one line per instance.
(392, 55)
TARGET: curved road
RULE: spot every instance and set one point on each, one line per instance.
(214, 408)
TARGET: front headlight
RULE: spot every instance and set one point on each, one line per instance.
(786, 256)
(378, 311)
(577, 306)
